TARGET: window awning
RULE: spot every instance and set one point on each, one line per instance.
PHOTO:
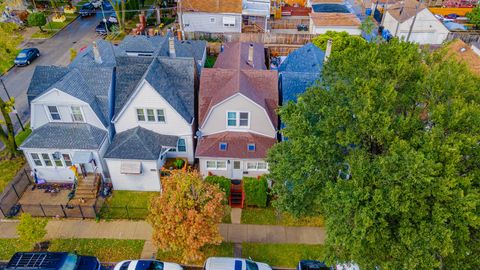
(228, 20)
(131, 167)
(82, 157)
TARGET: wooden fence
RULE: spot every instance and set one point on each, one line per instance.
(466, 36)
(287, 23)
(266, 38)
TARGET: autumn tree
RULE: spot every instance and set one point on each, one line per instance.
(185, 216)
(387, 149)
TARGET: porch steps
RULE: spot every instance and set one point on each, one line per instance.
(237, 195)
(87, 188)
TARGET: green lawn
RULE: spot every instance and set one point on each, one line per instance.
(222, 250)
(210, 61)
(282, 255)
(9, 246)
(8, 169)
(268, 216)
(22, 135)
(106, 250)
(51, 28)
(127, 205)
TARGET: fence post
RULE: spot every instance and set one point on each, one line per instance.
(126, 208)
(1, 210)
(15, 190)
(43, 211)
(81, 212)
(25, 172)
(63, 210)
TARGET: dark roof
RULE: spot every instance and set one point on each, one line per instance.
(308, 58)
(235, 56)
(65, 136)
(295, 83)
(107, 51)
(141, 44)
(43, 77)
(139, 143)
(237, 143)
(174, 80)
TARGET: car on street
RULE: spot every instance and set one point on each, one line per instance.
(87, 10)
(26, 56)
(102, 27)
(52, 261)
(96, 3)
(224, 263)
(146, 265)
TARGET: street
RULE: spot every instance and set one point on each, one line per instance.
(54, 51)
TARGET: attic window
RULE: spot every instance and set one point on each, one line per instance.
(251, 147)
(223, 146)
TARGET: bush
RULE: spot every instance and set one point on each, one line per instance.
(222, 182)
(37, 19)
(255, 191)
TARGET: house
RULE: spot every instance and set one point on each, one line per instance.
(211, 16)
(426, 28)
(321, 22)
(255, 14)
(238, 123)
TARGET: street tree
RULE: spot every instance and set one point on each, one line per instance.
(386, 147)
(186, 214)
(37, 19)
(31, 230)
(8, 137)
(340, 40)
(10, 39)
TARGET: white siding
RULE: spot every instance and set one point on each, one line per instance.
(259, 120)
(40, 115)
(149, 180)
(175, 124)
(202, 22)
(229, 170)
(351, 30)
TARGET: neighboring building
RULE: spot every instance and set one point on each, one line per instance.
(219, 16)
(469, 55)
(426, 29)
(238, 123)
(255, 15)
(320, 23)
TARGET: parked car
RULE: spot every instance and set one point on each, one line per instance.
(103, 26)
(52, 261)
(96, 3)
(223, 263)
(312, 265)
(113, 18)
(146, 265)
(452, 16)
(87, 10)
(26, 56)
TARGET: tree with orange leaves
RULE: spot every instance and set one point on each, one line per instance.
(186, 214)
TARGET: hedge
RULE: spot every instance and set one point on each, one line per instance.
(255, 191)
(222, 182)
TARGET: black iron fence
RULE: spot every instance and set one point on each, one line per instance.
(122, 212)
(55, 210)
(14, 191)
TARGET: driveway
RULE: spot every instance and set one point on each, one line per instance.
(54, 51)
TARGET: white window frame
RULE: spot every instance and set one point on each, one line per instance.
(178, 143)
(256, 166)
(147, 115)
(50, 159)
(39, 159)
(155, 115)
(212, 20)
(143, 113)
(217, 168)
(47, 109)
(254, 147)
(81, 113)
(64, 161)
(237, 120)
(164, 115)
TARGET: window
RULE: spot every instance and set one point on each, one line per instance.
(244, 119)
(251, 265)
(232, 119)
(223, 146)
(36, 159)
(212, 19)
(57, 159)
(161, 116)
(236, 165)
(140, 115)
(217, 164)
(181, 145)
(150, 115)
(251, 147)
(46, 160)
(67, 159)
(261, 166)
(77, 115)
(257, 166)
(54, 114)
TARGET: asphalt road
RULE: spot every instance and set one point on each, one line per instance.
(54, 51)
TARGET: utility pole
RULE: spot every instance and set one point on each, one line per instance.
(413, 22)
(104, 20)
(13, 106)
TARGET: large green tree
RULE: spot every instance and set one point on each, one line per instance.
(387, 148)
(340, 40)
(10, 39)
(474, 17)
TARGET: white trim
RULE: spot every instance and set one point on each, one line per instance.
(81, 112)
(216, 165)
(237, 120)
(256, 166)
(155, 115)
(49, 114)
(240, 130)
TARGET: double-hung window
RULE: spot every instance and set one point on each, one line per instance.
(216, 164)
(140, 115)
(181, 145)
(46, 160)
(54, 114)
(151, 115)
(238, 119)
(232, 119)
(161, 115)
(257, 166)
(67, 159)
(36, 159)
(77, 115)
(57, 159)
(243, 119)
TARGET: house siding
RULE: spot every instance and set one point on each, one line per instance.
(200, 22)
(259, 120)
(228, 172)
(351, 30)
(148, 180)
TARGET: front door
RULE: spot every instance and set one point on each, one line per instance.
(237, 171)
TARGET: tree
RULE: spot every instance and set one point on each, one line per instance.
(474, 16)
(186, 214)
(368, 25)
(37, 19)
(386, 148)
(31, 230)
(10, 39)
(340, 40)
(8, 137)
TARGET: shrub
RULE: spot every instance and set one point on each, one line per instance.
(255, 191)
(222, 182)
(37, 19)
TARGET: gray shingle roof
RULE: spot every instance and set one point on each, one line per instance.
(295, 83)
(43, 77)
(66, 136)
(107, 51)
(142, 44)
(174, 80)
(308, 58)
(139, 143)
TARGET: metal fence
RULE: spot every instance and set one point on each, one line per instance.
(122, 212)
(14, 191)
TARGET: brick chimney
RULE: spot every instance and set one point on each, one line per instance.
(250, 54)
(328, 51)
(171, 46)
(96, 54)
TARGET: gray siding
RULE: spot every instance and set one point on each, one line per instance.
(201, 22)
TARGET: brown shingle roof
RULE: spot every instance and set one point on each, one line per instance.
(212, 6)
(404, 11)
(235, 55)
(464, 53)
(334, 19)
(237, 143)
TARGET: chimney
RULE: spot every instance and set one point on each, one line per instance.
(328, 51)
(96, 54)
(250, 54)
(171, 46)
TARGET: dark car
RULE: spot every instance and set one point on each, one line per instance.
(312, 265)
(103, 26)
(26, 56)
(52, 261)
(452, 16)
(87, 10)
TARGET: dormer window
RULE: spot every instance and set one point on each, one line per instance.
(223, 146)
(251, 147)
(77, 115)
(54, 114)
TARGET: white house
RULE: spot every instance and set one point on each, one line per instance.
(320, 23)
(426, 28)
(221, 16)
